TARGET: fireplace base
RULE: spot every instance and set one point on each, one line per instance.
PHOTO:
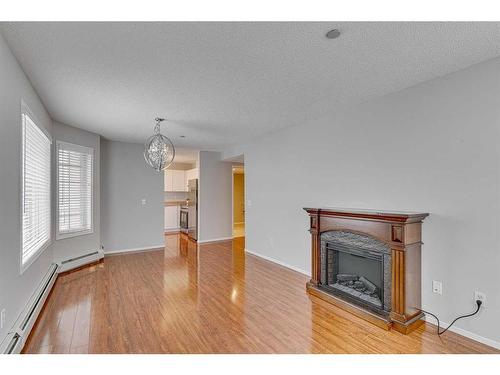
(409, 325)
(320, 294)
(383, 322)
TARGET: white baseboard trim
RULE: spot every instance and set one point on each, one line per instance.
(296, 269)
(172, 230)
(134, 250)
(216, 239)
(463, 332)
(14, 342)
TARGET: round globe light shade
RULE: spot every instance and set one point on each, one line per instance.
(159, 152)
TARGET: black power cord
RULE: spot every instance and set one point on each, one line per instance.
(478, 302)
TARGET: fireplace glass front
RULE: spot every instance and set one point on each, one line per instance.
(356, 268)
(357, 274)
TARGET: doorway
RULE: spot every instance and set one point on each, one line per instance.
(238, 201)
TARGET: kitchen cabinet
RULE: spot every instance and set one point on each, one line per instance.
(191, 174)
(179, 180)
(171, 217)
(168, 179)
(175, 180)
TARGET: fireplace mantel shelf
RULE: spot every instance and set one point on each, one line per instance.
(397, 216)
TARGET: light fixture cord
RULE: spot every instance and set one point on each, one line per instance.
(157, 126)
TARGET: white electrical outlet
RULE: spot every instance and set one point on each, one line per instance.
(481, 297)
(143, 201)
(2, 318)
(437, 287)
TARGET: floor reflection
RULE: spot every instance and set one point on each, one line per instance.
(210, 298)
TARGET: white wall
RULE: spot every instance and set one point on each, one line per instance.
(75, 246)
(125, 181)
(430, 148)
(15, 289)
(214, 197)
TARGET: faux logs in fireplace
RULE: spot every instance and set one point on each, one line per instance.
(369, 263)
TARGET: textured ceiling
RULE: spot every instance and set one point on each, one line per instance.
(225, 83)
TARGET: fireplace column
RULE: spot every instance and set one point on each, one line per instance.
(398, 286)
(314, 229)
(406, 285)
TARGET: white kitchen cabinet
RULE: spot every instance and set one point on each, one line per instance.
(191, 174)
(175, 180)
(171, 217)
(169, 180)
(179, 180)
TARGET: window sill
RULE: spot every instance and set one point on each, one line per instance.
(63, 236)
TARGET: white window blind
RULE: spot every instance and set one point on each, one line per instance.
(74, 189)
(35, 192)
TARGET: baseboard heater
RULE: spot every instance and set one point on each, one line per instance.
(14, 345)
(16, 338)
(81, 260)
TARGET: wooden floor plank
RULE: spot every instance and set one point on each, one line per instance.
(210, 298)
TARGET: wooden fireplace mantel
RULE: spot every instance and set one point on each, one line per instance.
(391, 216)
(402, 232)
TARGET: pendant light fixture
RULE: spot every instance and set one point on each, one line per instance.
(159, 152)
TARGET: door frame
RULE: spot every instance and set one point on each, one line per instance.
(242, 166)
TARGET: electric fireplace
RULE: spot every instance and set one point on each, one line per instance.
(368, 262)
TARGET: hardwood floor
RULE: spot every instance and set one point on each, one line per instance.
(214, 299)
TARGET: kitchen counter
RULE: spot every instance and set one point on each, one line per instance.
(175, 202)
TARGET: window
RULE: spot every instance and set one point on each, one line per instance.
(74, 190)
(35, 191)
